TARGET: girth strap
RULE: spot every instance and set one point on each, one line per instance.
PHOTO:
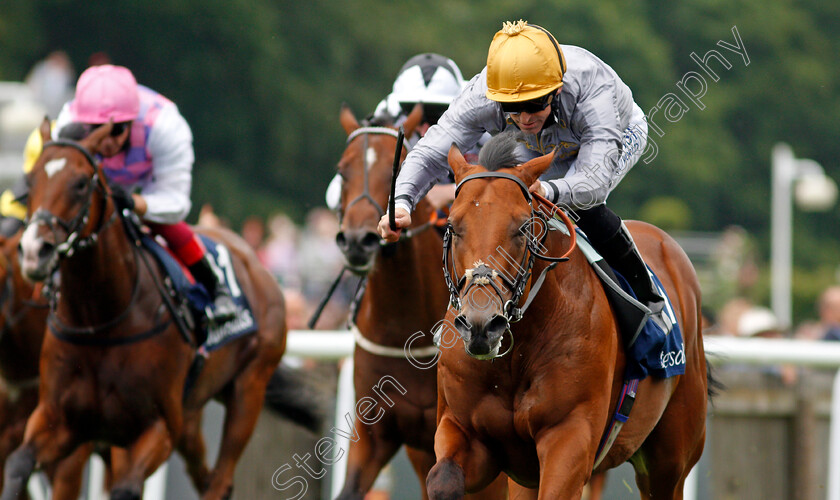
(622, 414)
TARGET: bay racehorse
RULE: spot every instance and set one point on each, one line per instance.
(405, 295)
(114, 363)
(538, 411)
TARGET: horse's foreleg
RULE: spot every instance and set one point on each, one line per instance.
(132, 465)
(422, 461)
(461, 463)
(66, 475)
(596, 485)
(369, 452)
(44, 442)
(565, 460)
(192, 449)
(497, 490)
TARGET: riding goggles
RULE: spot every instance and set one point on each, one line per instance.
(117, 129)
(431, 111)
(530, 107)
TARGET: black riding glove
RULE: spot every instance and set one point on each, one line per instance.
(122, 198)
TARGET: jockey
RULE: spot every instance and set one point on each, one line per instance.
(12, 207)
(149, 151)
(431, 80)
(560, 96)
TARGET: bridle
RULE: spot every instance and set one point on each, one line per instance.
(74, 242)
(483, 274)
(74, 227)
(365, 132)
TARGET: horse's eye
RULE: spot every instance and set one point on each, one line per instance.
(80, 186)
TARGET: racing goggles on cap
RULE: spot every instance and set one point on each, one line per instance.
(116, 130)
(530, 107)
(431, 111)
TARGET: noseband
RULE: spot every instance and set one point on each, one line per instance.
(74, 226)
(365, 132)
(482, 274)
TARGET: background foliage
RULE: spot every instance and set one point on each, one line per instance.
(261, 83)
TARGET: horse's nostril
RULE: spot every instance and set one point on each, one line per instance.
(341, 240)
(46, 250)
(497, 326)
(370, 241)
(462, 324)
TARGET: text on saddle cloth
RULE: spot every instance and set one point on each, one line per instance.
(199, 300)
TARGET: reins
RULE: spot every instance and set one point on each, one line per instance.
(87, 335)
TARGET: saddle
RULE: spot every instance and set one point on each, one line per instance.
(192, 303)
(649, 349)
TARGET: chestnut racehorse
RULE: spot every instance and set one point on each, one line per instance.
(23, 316)
(117, 371)
(391, 324)
(538, 411)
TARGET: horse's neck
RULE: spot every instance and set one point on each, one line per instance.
(98, 282)
(570, 288)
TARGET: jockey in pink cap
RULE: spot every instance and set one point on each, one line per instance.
(148, 160)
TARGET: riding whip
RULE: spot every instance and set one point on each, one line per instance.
(397, 153)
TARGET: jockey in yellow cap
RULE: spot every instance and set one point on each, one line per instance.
(12, 208)
(559, 96)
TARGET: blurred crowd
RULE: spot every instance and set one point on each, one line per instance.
(304, 259)
(737, 314)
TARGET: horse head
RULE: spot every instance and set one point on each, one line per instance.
(489, 249)
(366, 168)
(67, 202)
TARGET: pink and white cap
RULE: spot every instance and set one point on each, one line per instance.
(106, 93)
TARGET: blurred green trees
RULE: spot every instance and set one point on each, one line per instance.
(261, 83)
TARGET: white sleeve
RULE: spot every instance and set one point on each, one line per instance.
(64, 118)
(170, 146)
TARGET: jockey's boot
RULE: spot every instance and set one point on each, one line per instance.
(621, 253)
(225, 308)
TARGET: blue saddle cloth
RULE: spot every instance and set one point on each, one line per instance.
(652, 351)
(200, 301)
(655, 352)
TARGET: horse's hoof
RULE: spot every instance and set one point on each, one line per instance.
(445, 481)
(125, 494)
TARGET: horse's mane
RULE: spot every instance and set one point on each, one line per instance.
(503, 150)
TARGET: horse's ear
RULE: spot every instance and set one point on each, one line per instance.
(458, 163)
(413, 120)
(533, 169)
(92, 141)
(348, 120)
(45, 130)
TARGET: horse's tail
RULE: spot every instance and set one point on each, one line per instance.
(292, 395)
(713, 385)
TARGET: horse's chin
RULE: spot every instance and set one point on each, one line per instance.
(37, 269)
(34, 275)
(482, 352)
(360, 268)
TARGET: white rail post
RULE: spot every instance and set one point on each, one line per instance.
(344, 405)
(834, 442)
